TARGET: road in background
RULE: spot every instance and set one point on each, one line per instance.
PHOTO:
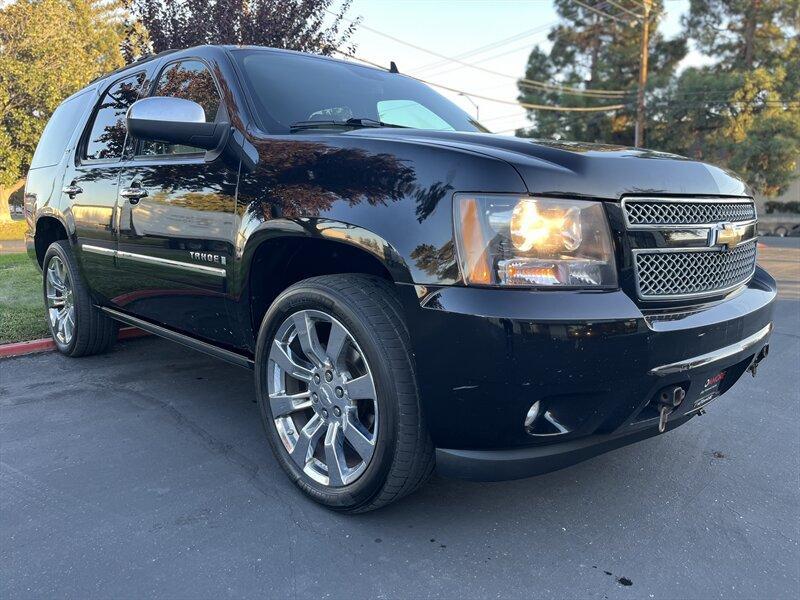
(145, 473)
(781, 257)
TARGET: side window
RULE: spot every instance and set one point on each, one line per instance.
(190, 80)
(57, 133)
(107, 137)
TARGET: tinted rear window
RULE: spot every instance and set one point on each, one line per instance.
(58, 131)
(287, 88)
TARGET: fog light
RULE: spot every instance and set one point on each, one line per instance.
(533, 412)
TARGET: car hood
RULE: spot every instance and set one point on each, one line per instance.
(583, 169)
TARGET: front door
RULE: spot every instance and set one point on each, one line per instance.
(91, 183)
(176, 207)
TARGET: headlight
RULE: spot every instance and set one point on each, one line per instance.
(534, 242)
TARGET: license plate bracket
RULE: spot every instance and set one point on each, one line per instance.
(712, 389)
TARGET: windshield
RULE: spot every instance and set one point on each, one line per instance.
(293, 88)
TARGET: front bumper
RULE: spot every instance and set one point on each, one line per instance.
(594, 361)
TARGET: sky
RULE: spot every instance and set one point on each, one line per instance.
(452, 27)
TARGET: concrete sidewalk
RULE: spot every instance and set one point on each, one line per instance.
(12, 246)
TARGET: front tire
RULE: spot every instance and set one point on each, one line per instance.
(77, 326)
(337, 391)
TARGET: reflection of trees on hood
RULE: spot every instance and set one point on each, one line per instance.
(437, 262)
(301, 179)
(428, 200)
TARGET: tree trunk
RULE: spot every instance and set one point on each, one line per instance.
(595, 53)
(5, 195)
(751, 22)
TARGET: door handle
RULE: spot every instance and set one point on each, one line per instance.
(133, 194)
(72, 190)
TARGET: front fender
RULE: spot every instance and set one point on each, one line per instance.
(256, 232)
(390, 197)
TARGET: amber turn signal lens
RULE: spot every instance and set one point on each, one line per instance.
(476, 259)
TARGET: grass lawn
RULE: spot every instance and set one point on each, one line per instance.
(22, 314)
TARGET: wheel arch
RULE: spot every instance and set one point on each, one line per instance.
(282, 252)
(49, 228)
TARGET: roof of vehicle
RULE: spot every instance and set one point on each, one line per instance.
(232, 48)
(226, 48)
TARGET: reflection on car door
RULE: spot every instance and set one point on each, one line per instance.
(90, 182)
(176, 208)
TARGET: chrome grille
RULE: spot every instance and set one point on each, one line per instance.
(687, 273)
(654, 212)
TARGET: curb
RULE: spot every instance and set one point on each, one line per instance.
(48, 345)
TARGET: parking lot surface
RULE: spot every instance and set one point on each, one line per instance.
(145, 473)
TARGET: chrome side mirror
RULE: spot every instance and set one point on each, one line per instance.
(174, 121)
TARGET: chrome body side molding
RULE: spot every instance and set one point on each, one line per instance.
(154, 260)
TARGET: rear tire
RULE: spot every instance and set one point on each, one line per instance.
(364, 311)
(77, 326)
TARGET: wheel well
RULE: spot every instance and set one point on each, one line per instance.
(279, 263)
(48, 230)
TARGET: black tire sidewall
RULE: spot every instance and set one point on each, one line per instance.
(369, 484)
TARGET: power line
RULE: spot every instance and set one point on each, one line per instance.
(601, 13)
(491, 46)
(488, 58)
(529, 82)
(627, 10)
(528, 105)
(506, 116)
(515, 49)
(498, 44)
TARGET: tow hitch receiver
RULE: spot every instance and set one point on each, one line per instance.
(757, 360)
(668, 401)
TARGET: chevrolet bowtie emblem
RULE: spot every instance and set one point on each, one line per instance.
(727, 234)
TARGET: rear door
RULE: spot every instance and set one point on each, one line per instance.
(91, 181)
(176, 207)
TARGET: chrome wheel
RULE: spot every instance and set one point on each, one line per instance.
(322, 398)
(60, 301)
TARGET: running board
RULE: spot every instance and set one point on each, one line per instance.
(180, 338)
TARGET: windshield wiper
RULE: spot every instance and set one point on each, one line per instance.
(355, 122)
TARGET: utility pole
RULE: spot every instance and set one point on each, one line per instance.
(639, 128)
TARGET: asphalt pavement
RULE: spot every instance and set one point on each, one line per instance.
(145, 473)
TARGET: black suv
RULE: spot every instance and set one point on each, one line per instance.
(410, 290)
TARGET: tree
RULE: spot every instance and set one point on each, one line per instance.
(744, 34)
(744, 111)
(593, 53)
(48, 50)
(305, 25)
